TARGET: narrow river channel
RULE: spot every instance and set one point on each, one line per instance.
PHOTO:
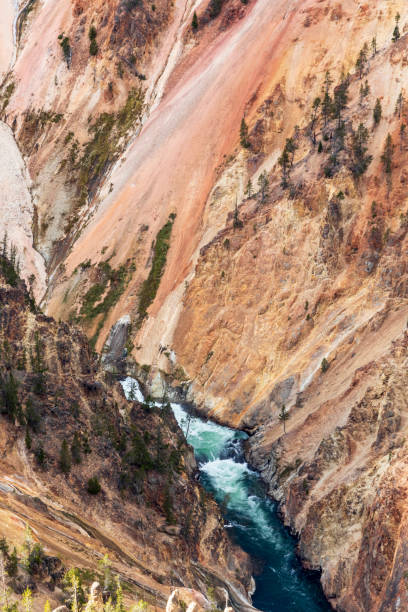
(250, 516)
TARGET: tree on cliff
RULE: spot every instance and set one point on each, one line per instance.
(243, 134)
(362, 60)
(364, 91)
(194, 23)
(76, 448)
(263, 184)
(396, 33)
(360, 159)
(377, 113)
(315, 108)
(65, 458)
(93, 46)
(284, 416)
(66, 49)
(327, 106)
(340, 99)
(286, 160)
(386, 157)
(283, 161)
(248, 188)
(399, 104)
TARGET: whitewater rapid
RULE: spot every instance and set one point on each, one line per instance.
(250, 516)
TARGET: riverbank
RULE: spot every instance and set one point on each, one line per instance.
(251, 516)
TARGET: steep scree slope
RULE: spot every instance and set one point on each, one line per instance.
(151, 517)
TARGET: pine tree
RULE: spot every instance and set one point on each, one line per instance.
(28, 440)
(76, 449)
(243, 134)
(4, 248)
(396, 33)
(361, 160)
(237, 221)
(291, 147)
(284, 416)
(324, 365)
(362, 60)
(93, 486)
(399, 104)
(65, 458)
(194, 23)
(403, 128)
(377, 113)
(374, 45)
(286, 160)
(327, 107)
(263, 184)
(9, 402)
(386, 157)
(284, 163)
(315, 108)
(32, 416)
(248, 189)
(38, 366)
(4, 547)
(12, 564)
(93, 47)
(40, 455)
(328, 81)
(340, 99)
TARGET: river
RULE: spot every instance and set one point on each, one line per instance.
(250, 516)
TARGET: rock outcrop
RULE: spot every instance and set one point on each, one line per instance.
(93, 474)
(229, 186)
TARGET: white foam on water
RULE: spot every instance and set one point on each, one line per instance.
(206, 437)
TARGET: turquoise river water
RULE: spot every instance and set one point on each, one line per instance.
(250, 516)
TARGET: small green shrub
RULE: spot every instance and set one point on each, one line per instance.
(35, 559)
(66, 48)
(12, 564)
(93, 48)
(93, 486)
(324, 365)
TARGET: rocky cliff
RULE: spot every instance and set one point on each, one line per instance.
(93, 474)
(235, 185)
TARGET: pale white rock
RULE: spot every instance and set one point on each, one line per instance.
(16, 210)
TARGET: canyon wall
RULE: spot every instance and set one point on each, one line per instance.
(276, 288)
(93, 474)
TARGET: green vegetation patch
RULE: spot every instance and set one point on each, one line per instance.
(104, 294)
(108, 134)
(151, 284)
(6, 95)
(34, 122)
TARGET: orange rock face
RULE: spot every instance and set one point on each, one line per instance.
(295, 296)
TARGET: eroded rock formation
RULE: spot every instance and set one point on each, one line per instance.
(265, 286)
(93, 474)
